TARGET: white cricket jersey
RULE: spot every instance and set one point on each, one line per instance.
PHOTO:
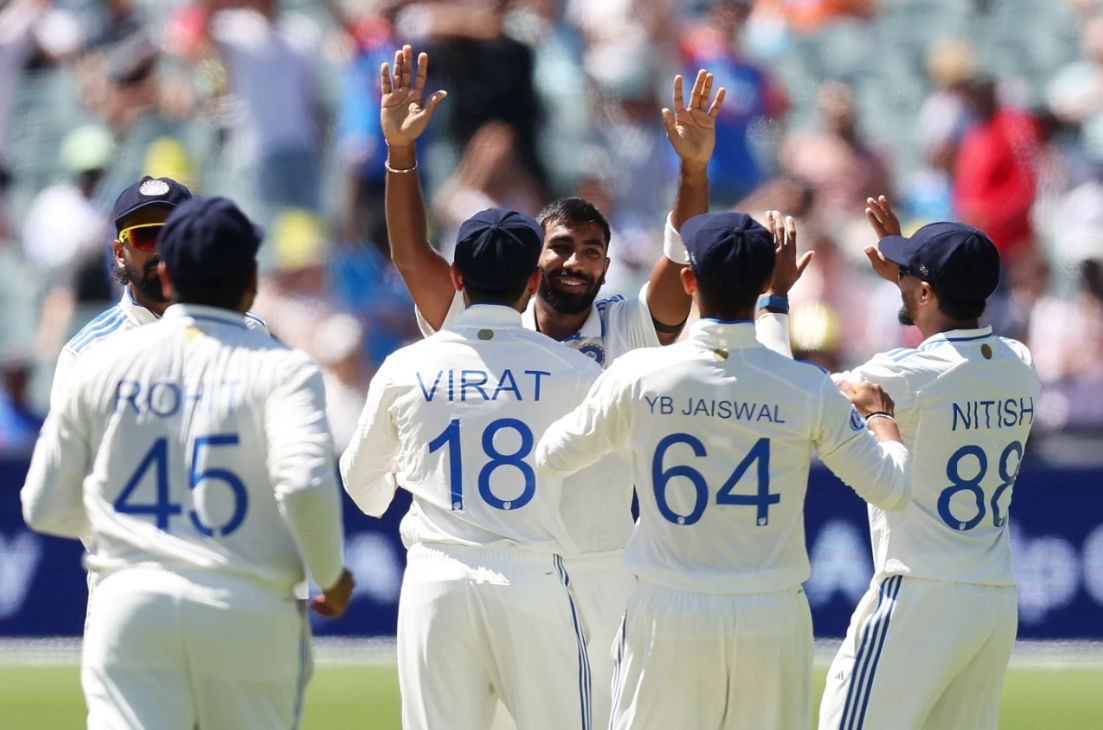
(461, 412)
(965, 403)
(123, 317)
(196, 445)
(599, 517)
(721, 431)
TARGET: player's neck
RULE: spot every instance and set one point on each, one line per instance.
(743, 315)
(557, 325)
(945, 324)
(157, 308)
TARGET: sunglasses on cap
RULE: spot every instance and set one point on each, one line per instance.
(142, 236)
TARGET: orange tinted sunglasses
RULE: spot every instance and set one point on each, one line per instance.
(142, 236)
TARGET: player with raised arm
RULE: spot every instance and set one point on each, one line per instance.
(573, 263)
(487, 608)
(928, 646)
(197, 454)
(718, 633)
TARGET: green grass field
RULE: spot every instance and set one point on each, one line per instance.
(365, 698)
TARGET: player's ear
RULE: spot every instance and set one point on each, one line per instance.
(166, 280)
(457, 280)
(533, 284)
(117, 251)
(689, 281)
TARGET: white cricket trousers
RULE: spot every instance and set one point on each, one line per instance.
(713, 661)
(480, 624)
(163, 653)
(601, 586)
(922, 654)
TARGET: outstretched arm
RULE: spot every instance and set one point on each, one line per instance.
(692, 132)
(404, 118)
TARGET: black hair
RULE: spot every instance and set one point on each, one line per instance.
(725, 302)
(478, 295)
(958, 310)
(224, 293)
(574, 212)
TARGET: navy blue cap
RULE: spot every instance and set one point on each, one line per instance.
(731, 250)
(207, 239)
(498, 249)
(959, 261)
(149, 192)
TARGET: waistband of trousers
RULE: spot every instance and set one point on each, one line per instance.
(426, 551)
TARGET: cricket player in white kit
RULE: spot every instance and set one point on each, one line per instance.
(928, 646)
(567, 309)
(139, 214)
(197, 455)
(721, 430)
(486, 609)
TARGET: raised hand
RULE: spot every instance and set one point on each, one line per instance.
(402, 114)
(692, 129)
(788, 269)
(882, 217)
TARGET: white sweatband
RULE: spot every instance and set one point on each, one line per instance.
(673, 247)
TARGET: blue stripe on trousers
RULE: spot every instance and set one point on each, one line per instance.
(895, 591)
(864, 655)
(584, 681)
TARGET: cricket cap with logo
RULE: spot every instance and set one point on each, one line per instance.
(498, 249)
(208, 239)
(729, 250)
(149, 192)
(959, 261)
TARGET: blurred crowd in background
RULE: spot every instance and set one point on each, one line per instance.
(987, 111)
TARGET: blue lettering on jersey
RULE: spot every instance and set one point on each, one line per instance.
(990, 414)
(726, 410)
(165, 399)
(471, 385)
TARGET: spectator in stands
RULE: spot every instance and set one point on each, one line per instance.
(65, 235)
(808, 16)
(927, 195)
(19, 424)
(64, 222)
(488, 75)
(269, 66)
(1066, 338)
(27, 27)
(995, 174)
(753, 99)
(835, 160)
(339, 343)
(491, 174)
(360, 148)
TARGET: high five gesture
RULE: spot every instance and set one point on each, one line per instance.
(692, 129)
(403, 115)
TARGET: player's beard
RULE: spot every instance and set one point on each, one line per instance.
(147, 282)
(566, 302)
(904, 315)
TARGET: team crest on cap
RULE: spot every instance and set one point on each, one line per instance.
(154, 188)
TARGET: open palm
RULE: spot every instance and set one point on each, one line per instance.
(403, 115)
(692, 129)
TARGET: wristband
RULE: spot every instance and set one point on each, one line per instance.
(774, 301)
(399, 172)
(673, 247)
(880, 414)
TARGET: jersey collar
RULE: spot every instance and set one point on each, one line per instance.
(593, 328)
(718, 334)
(489, 315)
(136, 311)
(205, 314)
(957, 336)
